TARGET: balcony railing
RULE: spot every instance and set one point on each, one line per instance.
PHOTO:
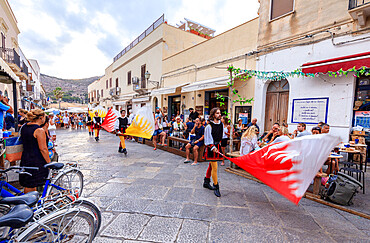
(24, 68)
(10, 56)
(357, 3)
(149, 30)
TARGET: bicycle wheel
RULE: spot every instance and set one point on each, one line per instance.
(69, 225)
(71, 179)
(86, 203)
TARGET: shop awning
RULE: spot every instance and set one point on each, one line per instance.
(167, 90)
(123, 99)
(141, 99)
(9, 74)
(212, 83)
(335, 64)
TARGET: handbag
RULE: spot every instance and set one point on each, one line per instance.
(13, 149)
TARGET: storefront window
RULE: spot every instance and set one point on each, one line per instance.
(211, 101)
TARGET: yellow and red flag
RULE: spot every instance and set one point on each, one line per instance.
(143, 124)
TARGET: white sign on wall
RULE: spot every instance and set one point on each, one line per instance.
(310, 110)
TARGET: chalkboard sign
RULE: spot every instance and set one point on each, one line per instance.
(310, 110)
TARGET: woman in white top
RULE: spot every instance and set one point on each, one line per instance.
(52, 127)
(178, 127)
(249, 140)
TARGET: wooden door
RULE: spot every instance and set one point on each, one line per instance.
(271, 115)
(283, 107)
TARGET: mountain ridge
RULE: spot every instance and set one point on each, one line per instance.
(77, 87)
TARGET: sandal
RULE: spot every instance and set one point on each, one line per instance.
(194, 164)
(155, 149)
(187, 161)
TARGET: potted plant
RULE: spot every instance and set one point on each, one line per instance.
(202, 34)
(208, 36)
(193, 31)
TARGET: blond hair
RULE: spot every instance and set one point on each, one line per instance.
(250, 133)
(22, 111)
(284, 130)
(33, 115)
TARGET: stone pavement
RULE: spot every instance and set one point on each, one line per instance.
(152, 196)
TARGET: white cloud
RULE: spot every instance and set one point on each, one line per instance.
(82, 51)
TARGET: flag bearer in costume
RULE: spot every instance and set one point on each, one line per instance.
(212, 139)
(89, 124)
(120, 126)
(97, 121)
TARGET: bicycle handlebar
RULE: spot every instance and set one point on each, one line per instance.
(21, 168)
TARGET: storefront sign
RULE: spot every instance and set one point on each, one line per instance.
(244, 117)
(362, 118)
(199, 109)
(310, 110)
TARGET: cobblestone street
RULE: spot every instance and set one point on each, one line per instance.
(152, 196)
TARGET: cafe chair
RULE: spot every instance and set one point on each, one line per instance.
(359, 174)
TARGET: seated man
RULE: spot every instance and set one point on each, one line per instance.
(178, 127)
(196, 143)
(301, 130)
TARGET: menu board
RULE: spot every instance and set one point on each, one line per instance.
(310, 110)
(362, 118)
(199, 109)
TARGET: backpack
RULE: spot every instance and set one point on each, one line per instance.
(341, 189)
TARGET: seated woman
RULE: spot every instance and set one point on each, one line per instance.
(282, 135)
(178, 127)
(35, 151)
(249, 140)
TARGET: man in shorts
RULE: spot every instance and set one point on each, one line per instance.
(196, 142)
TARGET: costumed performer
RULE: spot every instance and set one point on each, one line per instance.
(89, 124)
(97, 121)
(212, 139)
(120, 127)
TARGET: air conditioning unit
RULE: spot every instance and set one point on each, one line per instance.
(135, 80)
(118, 89)
(111, 93)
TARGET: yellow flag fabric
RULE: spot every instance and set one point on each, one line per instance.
(143, 124)
(101, 111)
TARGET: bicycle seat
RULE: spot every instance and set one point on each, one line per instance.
(17, 217)
(54, 166)
(29, 199)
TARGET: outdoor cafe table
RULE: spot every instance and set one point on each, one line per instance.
(351, 153)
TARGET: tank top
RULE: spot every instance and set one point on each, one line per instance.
(217, 132)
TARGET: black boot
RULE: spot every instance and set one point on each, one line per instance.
(124, 151)
(120, 150)
(217, 190)
(207, 183)
(96, 138)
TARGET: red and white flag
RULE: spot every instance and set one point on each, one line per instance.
(110, 119)
(289, 167)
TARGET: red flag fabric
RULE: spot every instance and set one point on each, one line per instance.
(289, 167)
(109, 121)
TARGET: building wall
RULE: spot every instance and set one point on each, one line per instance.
(340, 90)
(210, 59)
(308, 17)
(7, 17)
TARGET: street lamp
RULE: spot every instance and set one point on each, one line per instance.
(147, 76)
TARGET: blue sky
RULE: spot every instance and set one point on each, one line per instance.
(79, 38)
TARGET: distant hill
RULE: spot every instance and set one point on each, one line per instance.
(76, 87)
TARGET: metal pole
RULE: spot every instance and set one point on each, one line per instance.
(231, 113)
(14, 83)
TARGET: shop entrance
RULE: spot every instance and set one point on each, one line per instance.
(174, 105)
(277, 103)
(211, 101)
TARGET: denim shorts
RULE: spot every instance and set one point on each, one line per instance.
(157, 132)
